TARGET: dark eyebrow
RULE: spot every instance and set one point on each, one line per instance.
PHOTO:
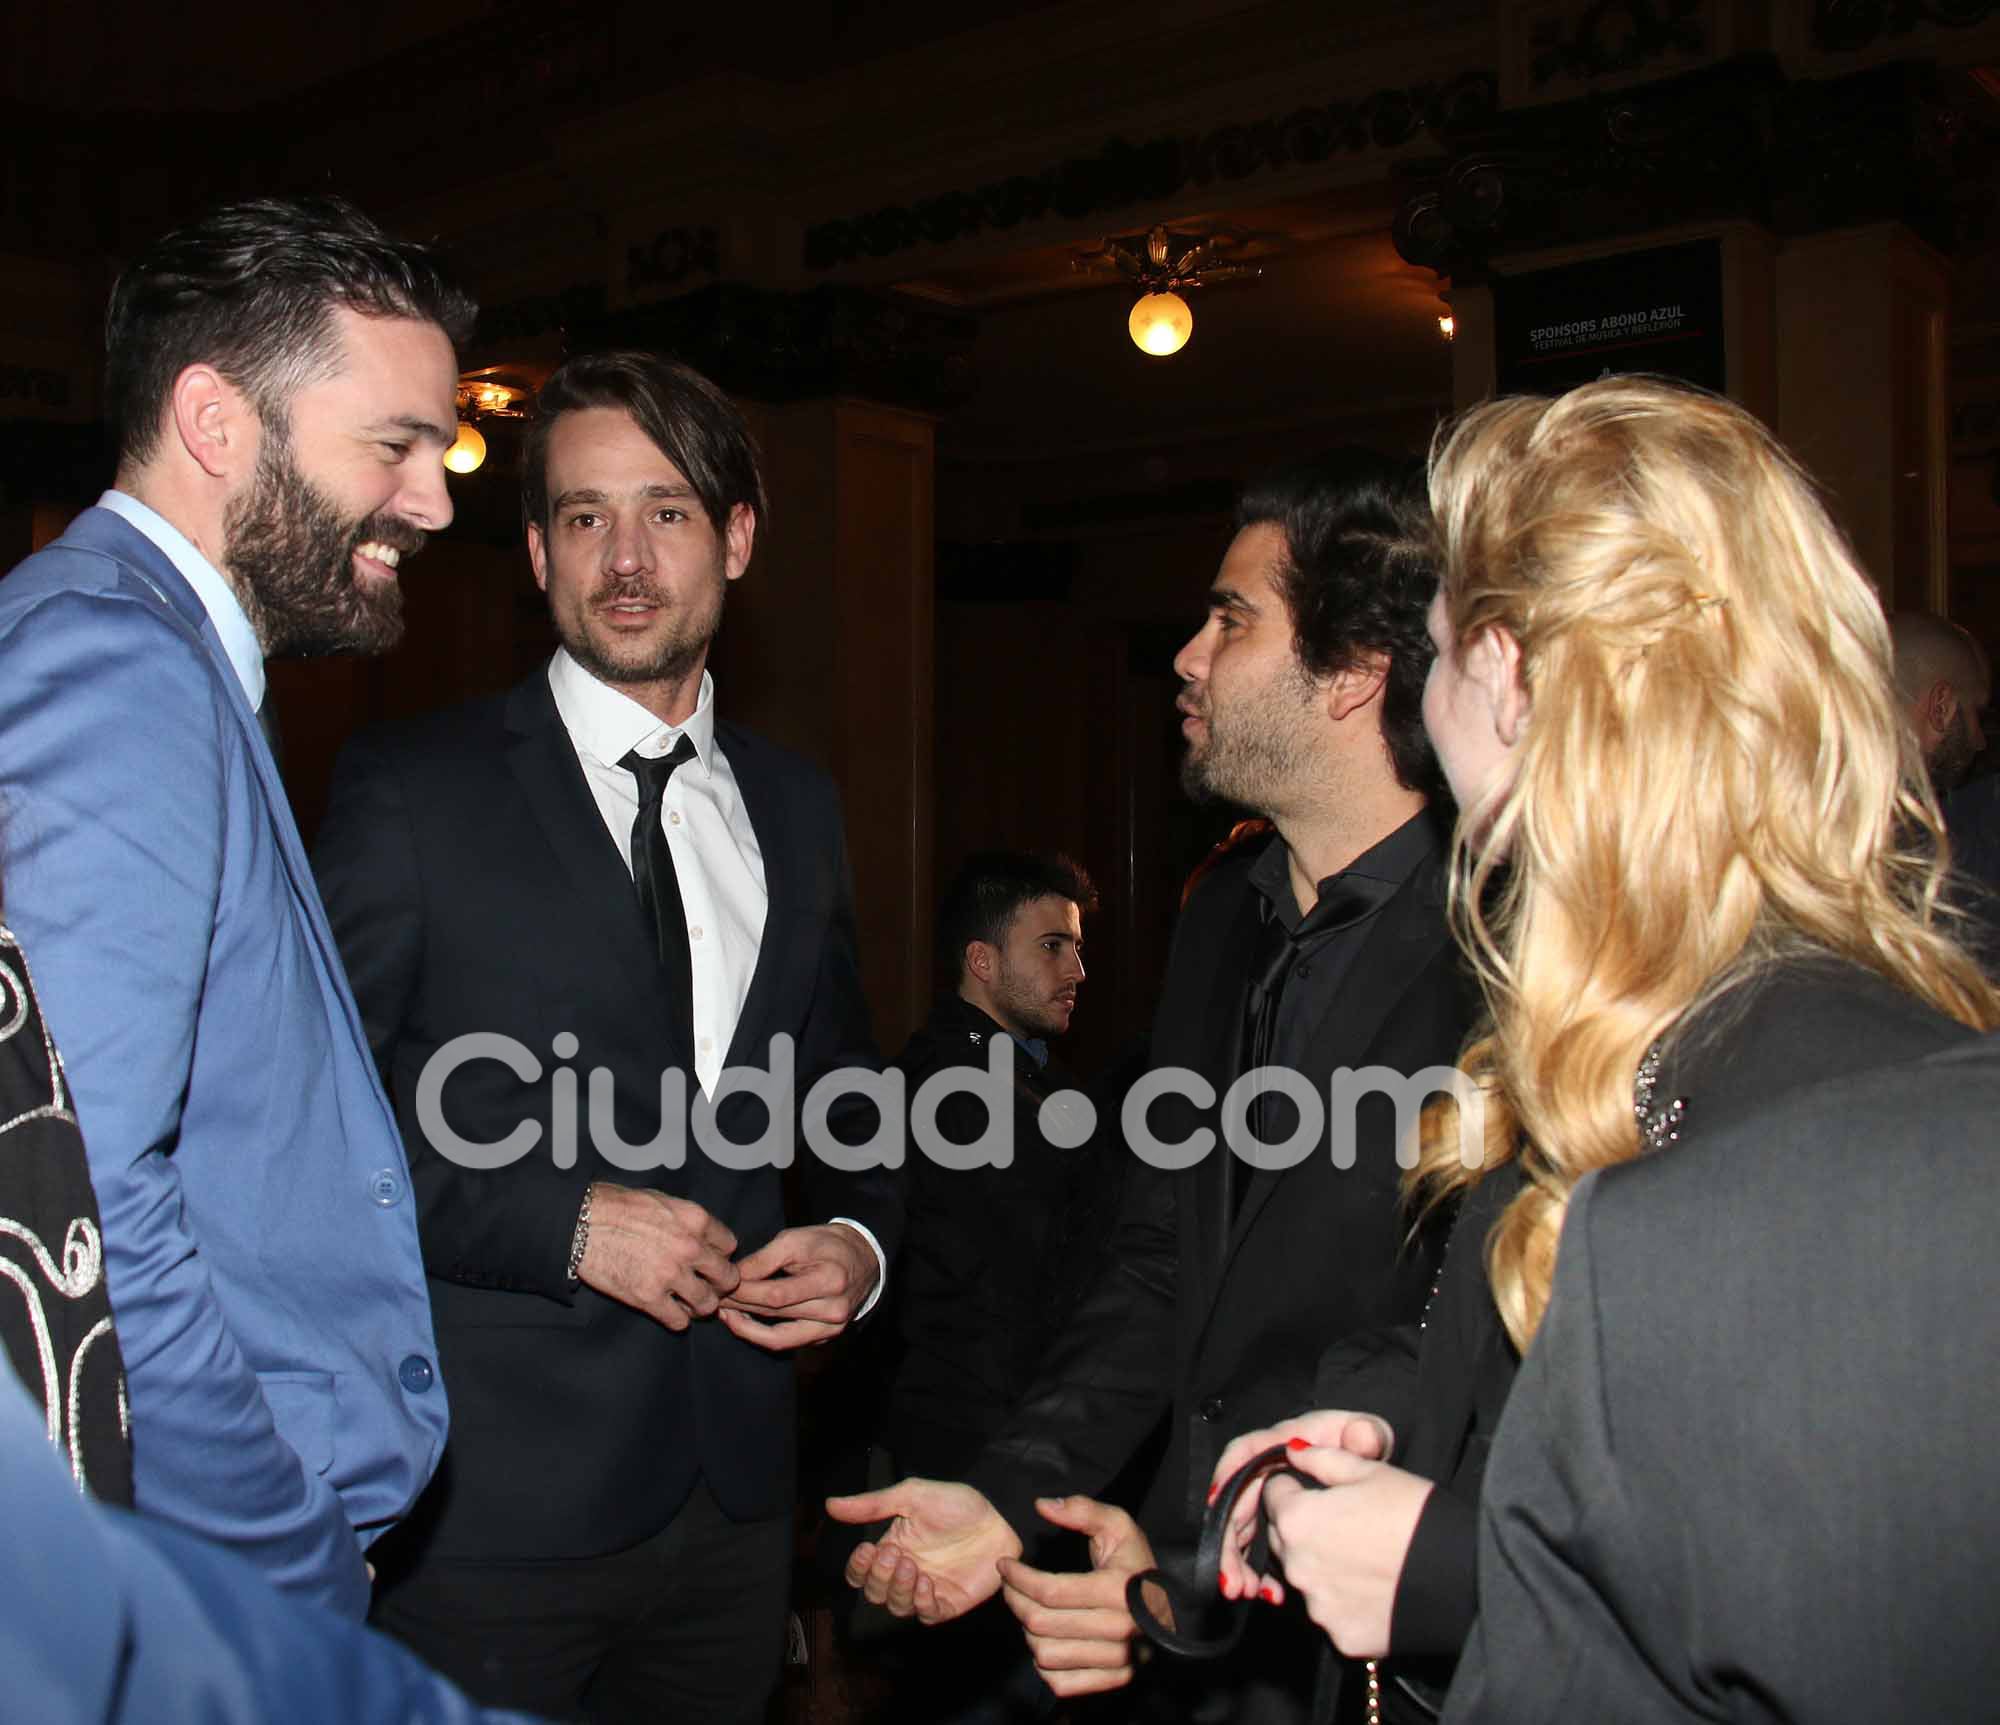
(592, 494)
(417, 426)
(1059, 934)
(1228, 599)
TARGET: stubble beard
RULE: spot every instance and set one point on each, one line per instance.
(670, 660)
(1027, 1009)
(1253, 750)
(292, 553)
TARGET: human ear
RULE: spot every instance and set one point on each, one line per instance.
(1941, 707)
(1493, 660)
(1352, 689)
(739, 533)
(538, 555)
(212, 419)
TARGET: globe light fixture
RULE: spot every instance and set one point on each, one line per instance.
(1163, 265)
(1161, 323)
(468, 452)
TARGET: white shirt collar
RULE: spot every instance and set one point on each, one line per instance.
(218, 599)
(608, 724)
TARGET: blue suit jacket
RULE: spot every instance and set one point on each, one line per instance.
(111, 1619)
(260, 1241)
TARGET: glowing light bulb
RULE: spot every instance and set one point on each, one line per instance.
(1447, 326)
(1161, 324)
(468, 452)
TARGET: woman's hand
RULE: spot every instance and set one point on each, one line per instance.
(1343, 1546)
(1359, 1434)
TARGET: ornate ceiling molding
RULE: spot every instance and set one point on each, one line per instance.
(1736, 140)
(1120, 175)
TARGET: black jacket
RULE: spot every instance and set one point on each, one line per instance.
(472, 886)
(993, 1258)
(1212, 1313)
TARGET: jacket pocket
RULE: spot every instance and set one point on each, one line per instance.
(305, 1406)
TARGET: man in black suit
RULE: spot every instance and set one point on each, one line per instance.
(994, 1255)
(1747, 1470)
(575, 916)
(1320, 948)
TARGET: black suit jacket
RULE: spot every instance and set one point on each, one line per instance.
(1216, 1320)
(995, 1258)
(1747, 1468)
(473, 889)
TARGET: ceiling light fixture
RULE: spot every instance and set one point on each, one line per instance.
(1164, 264)
(482, 398)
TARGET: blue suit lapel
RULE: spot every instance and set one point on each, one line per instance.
(111, 535)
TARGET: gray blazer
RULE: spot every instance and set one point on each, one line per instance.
(1748, 1469)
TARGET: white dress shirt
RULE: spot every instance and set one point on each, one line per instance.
(718, 863)
(218, 598)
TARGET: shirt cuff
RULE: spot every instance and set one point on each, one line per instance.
(881, 1265)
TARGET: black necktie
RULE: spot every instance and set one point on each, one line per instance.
(653, 874)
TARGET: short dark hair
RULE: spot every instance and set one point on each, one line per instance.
(1360, 569)
(251, 289)
(695, 426)
(991, 887)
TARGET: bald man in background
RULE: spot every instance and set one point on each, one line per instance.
(1945, 681)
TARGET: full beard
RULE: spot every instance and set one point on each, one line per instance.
(292, 553)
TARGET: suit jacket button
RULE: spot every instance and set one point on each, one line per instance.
(385, 1186)
(417, 1374)
(1211, 1409)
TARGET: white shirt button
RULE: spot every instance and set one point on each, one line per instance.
(674, 817)
(695, 932)
(707, 1044)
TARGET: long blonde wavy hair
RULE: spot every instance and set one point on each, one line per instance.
(1713, 772)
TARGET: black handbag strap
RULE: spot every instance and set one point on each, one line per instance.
(1194, 1597)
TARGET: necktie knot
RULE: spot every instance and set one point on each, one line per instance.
(653, 771)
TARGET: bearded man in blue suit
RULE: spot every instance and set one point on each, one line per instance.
(280, 377)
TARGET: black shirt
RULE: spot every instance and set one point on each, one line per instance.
(1307, 956)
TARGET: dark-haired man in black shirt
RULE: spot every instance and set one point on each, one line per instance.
(1321, 949)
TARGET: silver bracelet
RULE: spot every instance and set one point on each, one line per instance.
(579, 1242)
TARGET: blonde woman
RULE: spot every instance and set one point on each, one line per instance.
(1697, 866)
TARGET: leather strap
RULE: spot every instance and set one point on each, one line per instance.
(1197, 1596)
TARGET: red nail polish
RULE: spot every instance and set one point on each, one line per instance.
(1222, 1586)
(1212, 1490)
(1297, 1443)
